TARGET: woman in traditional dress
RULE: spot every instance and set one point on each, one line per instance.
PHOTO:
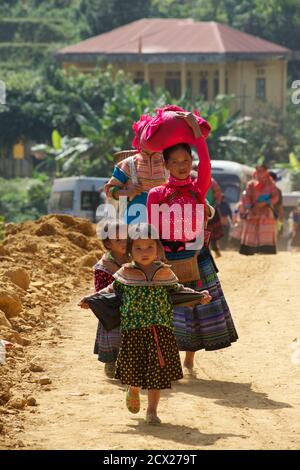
(259, 228)
(210, 326)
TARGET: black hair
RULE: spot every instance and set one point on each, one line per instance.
(273, 175)
(103, 231)
(143, 231)
(169, 150)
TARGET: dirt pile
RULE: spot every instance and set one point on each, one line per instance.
(41, 263)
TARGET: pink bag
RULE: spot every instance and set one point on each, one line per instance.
(164, 130)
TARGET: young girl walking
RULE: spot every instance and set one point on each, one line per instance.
(149, 356)
(107, 343)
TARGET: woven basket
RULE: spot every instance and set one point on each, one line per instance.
(119, 156)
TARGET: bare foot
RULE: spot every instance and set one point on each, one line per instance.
(152, 418)
(189, 371)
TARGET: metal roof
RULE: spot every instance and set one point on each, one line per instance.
(174, 36)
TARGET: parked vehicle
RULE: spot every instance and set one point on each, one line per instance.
(232, 177)
(79, 196)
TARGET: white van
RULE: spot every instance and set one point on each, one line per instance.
(232, 177)
(78, 196)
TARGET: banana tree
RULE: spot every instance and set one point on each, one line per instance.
(294, 167)
(64, 157)
(224, 141)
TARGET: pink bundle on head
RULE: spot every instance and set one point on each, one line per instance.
(166, 129)
(138, 128)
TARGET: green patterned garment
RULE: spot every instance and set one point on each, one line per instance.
(143, 306)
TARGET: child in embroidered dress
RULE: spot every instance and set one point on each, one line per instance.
(107, 343)
(148, 357)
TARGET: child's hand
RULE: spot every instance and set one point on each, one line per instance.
(83, 304)
(205, 297)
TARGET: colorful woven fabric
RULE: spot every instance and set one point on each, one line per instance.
(143, 306)
(107, 343)
(150, 171)
(210, 326)
(259, 228)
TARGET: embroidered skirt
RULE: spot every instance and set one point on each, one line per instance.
(140, 359)
(210, 326)
(107, 344)
(258, 236)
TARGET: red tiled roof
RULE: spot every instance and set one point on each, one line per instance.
(174, 36)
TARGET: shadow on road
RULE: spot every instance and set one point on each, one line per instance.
(177, 433)
(231, 394)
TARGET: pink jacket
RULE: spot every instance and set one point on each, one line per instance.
(184, 196)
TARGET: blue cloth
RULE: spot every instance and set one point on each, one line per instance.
(264, 198)
(141, 216)
(120, 175)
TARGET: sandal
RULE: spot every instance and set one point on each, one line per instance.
(133, 401)
(110, 370)
(190, 372)
(152, 419)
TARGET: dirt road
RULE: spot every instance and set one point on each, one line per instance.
(245, 397)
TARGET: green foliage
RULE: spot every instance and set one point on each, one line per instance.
(101, 108)
(294, 166)
(36, 104)
(23, 199)
(104, 15)
(32, 30)
(65, 159)
(275, 20)
(24, 54)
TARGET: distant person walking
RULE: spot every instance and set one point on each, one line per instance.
(278, 207)
(214, 197)
(295, 243)
(226, 221)
(259, 228)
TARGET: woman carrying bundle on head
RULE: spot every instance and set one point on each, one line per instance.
(210, 326)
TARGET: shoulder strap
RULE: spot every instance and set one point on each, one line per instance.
(132, 169)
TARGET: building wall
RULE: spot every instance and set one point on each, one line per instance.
(238, 78)
(14, 168)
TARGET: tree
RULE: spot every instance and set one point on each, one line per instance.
(105, 15)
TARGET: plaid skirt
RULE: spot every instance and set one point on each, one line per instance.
(210, 326)
(258, 236)
(107, 344)
(147, 362)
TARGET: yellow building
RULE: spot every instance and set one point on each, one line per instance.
(205, 58)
